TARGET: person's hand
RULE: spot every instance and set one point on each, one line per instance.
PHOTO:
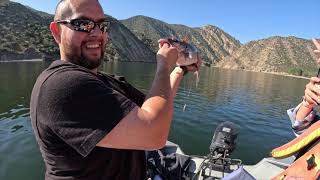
(167, 54)
(312, 92)
(316, 42)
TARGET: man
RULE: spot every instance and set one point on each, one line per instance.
(95, 126)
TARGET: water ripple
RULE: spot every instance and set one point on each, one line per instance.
(255, 102)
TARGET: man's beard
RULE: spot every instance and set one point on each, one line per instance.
(90, 64)
(85, 62)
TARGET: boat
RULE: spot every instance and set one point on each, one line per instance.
(267, 168)
(218, 165)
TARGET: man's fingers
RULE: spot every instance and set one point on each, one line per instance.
(312, 94)
(314, 80)
(163, 42)
(312, 97)
(312, 89)
(311, 100)
(316, 42)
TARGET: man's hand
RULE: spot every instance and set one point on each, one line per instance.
(316, 42)
(312, 92)
(167, 54)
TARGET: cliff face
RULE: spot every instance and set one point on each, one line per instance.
(125, 46)
(276, 54)
(26, 35)
(212, 42)
(221, 43)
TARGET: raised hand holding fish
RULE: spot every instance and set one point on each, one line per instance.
(167, 53)
(188, 57)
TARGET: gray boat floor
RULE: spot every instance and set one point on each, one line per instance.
(267, 168)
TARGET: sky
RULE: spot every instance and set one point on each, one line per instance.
(245, 20)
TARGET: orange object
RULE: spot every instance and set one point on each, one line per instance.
(307, 167)
(294, 146)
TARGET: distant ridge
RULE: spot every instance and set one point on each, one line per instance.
(25, 35)
(213, 43)
(275, 54)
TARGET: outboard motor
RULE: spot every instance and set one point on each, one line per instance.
(223, 143)
(223, 140)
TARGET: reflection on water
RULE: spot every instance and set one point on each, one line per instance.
(256, 102)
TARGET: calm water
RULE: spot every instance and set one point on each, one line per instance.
(256, 102)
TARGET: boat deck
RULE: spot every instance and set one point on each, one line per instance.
(265, 169)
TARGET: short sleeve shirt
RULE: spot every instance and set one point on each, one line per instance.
(72, 109)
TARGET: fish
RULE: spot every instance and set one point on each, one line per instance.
(188, 53)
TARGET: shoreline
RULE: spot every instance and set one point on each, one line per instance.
(288, 75)
(274, 73)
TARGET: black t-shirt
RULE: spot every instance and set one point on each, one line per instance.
(72, 109)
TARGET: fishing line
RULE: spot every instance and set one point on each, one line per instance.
(188, 92)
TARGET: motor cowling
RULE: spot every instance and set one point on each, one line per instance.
(224, 138)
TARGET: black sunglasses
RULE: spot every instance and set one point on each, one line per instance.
(86, 25)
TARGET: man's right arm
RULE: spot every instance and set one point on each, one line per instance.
(147, 128)
(303, 115)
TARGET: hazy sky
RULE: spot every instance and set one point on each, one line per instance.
(245, 20)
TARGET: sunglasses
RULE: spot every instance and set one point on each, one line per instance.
(86, 25)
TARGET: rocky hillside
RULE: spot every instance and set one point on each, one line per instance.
(276, 54)
(123, 45)
(25, 35)
(213, 43)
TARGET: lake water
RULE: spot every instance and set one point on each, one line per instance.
(256, 102)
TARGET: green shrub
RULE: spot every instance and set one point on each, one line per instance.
(295, 71)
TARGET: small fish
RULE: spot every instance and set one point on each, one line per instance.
(188, 54)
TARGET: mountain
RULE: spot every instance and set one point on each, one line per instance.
(275, 54)
(26, 35)
(123, 45)
(213, 43)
